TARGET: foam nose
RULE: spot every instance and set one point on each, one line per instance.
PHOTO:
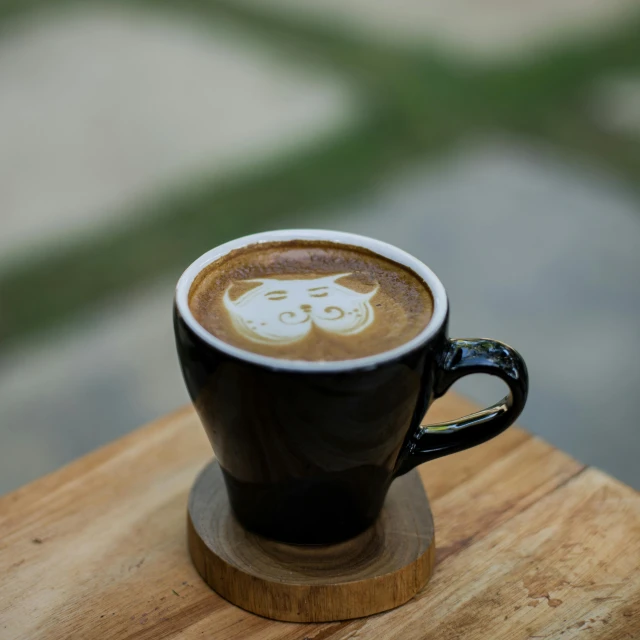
(305, 307)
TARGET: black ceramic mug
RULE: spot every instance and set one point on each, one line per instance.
(308, 449)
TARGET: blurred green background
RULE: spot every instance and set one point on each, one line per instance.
(498, 142)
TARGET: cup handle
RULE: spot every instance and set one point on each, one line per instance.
(461, 358)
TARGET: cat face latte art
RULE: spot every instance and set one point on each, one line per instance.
(284, 311)
(304, 300)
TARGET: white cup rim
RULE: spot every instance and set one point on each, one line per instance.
(440, 304)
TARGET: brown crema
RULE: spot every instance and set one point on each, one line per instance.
(376, 306)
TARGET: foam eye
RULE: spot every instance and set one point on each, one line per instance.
(318, 292)
(276, 295)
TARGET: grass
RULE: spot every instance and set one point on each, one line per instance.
(419, 105)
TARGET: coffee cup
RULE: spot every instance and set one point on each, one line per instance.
(313, 371)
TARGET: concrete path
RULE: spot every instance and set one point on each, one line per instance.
(477, 30)
(101, 108)
(71, 392)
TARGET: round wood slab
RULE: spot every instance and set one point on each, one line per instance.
(380, 569)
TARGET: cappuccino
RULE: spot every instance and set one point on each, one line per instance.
(310, 300)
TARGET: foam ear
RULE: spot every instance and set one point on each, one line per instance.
(227, 301)
(372, 293)
(239, 289)
(367, 296)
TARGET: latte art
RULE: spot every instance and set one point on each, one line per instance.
(284, 311)
(310, 300)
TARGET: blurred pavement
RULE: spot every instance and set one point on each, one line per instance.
(103, 107)
(479, 31)
(97, 379)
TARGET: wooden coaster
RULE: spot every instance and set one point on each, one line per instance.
(380, 569)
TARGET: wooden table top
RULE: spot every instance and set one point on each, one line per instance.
(530, 544)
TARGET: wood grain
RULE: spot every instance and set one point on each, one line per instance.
(531, 545)
(566, 565)
(378, 570)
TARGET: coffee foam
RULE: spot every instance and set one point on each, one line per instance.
(310, 300)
